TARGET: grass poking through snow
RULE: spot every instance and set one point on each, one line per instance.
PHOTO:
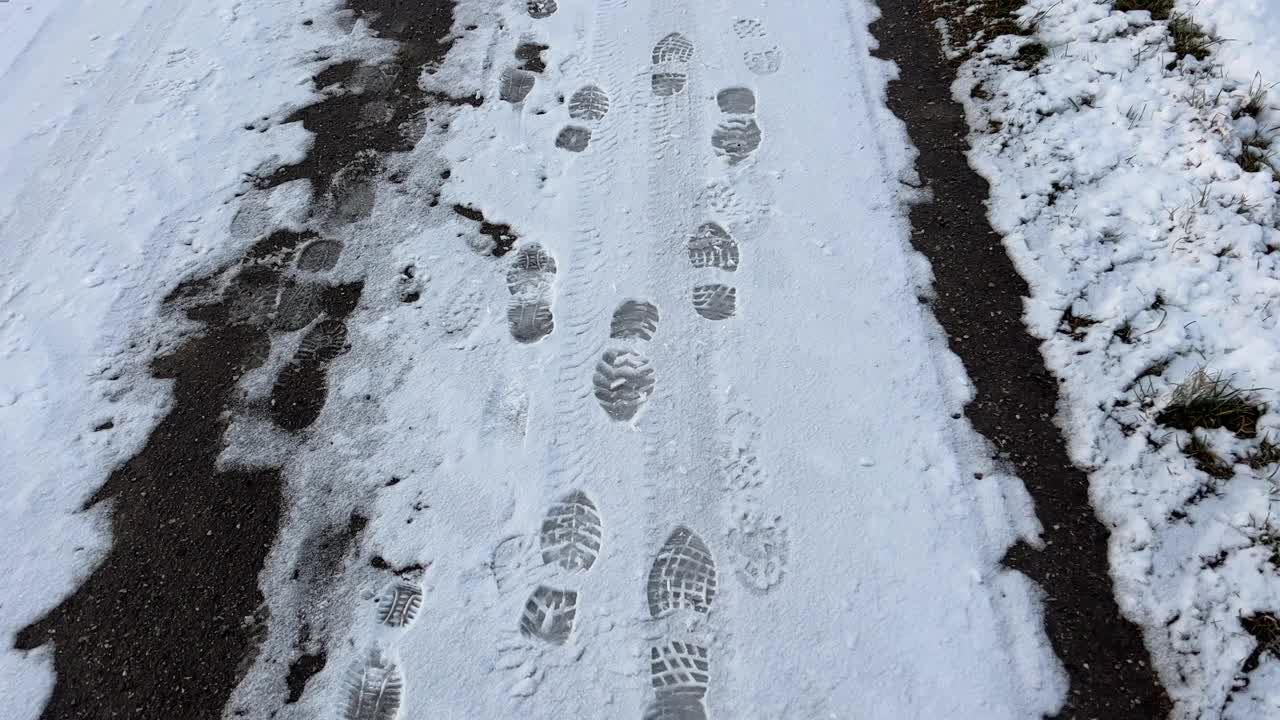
(974, 24)
(1265, 455)
(1266, 535)
(1265, 628)
(1189, 38)
(1208, 401)
(1159, 9)
(1256, 102)
(1255, 154)
(1208, 461)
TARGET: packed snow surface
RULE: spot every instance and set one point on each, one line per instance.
(688, 446)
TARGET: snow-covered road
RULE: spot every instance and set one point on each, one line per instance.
(731, 469)
(584, 370)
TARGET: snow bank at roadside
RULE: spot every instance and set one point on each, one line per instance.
(132, 126)
(1117, 181)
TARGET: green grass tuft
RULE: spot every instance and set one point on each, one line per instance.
(1189, 38)
(1212, 401)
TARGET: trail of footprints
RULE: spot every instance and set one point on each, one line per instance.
(529, 281)
(570, 540)
(551, 564)
(373, 687)
(682, 585)
(281, 288)
(682, 581)
(761, 56)
(714, 252)
(757, 541)
(738, 135)
(671, 56)
(301, 389)
(587, 106)
(515, 83)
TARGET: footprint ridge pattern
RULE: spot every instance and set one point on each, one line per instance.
(529, 281)
(374, 687)
(683, 576)
(549, 615)
(712, 246)
(634, 319)
(715, 301)
(399, 605)
(589, 103)
(624, 377)
(571, 533)
(671, 56)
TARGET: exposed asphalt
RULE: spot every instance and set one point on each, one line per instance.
(979, 302)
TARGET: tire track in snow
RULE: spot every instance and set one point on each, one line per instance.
(980, 297)
(576, 464)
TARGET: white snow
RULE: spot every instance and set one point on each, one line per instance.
(1250, 34)
(121, 151)
(1116, 184)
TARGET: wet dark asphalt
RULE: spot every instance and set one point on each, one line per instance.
(979, 300)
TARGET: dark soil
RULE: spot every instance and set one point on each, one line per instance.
(302, 670)
(166, 624)
(979, 302)
(501, 234)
